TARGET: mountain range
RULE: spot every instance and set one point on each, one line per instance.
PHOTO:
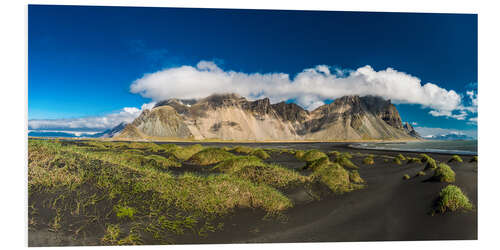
(233, 117)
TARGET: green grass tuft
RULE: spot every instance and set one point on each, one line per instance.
(243, 150)
(455, 158)
(209, 156)
(397, 160)
(406, 177)
(312, 155)
(345, 162)
(261, 153)
(444, 173)
(401, 157)
(334, 153)
(421, 173)
(473, 159)
(413, 160)
(125, 212)
(451, 198)
(368, 161)
(355, 177)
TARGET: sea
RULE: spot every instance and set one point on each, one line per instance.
(466, 147)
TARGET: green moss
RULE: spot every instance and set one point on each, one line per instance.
(209, 156)
(401, 157)
(346, 155)
(451, 198)
(312, 155)
(355, 177)
(473, 159)
(430, 163)
(125, 212)
(334, 153)
(345, 162)
(243, 150)
(421, 173)
(334, 176)
(406, 177)
(236, 163)
(321, 162)
(299, 154)
(455, 158)
(397, 160)
(368, 161)
(184, 153)
(261, 153)
(413, 160)
(112, 235)
(444, 173)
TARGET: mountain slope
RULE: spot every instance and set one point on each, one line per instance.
(232, 117)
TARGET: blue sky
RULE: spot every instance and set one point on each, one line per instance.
(83, 61)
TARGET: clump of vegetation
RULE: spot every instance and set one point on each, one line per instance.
(413, 160)
(243, 150)
(430, 163)
(334, 153)
(346, 155)
(313, 165)
(355, 177)
(401, 157)
(344, 161)
(421, 173)
(455, 158)
(334, 176)
(368, 161)
(299, 154)
(184, 153)
(444, 173)
(209, 156)
(253, 169)
(397, 160)
(125, 212)
(406, 177)
(473, 159)
(261, 153)
(451, 198)
(312, 155)
(74, 182)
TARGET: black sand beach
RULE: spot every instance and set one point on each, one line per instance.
(389, 208)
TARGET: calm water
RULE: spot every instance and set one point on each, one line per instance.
(448, 147)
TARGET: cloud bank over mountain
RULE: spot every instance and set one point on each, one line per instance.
(94, 123)
(308, 88)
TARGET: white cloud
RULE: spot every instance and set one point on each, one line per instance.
(94, 123)
(309, 88)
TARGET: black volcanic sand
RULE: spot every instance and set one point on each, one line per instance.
(388, 209)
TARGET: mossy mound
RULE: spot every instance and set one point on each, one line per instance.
(261, 153)
(254, 169)
(242, 150)
(184, 153)
(354, 177)
(430, 163)
(345, 162)
(451, 199)
(473, 159)
(334, 176)
(209, 156)
(455, 158)
(397, 160)
(444, 173)
(410, 160)
(406, 177)
(421, 173)
(334, 153)
(312, 155)
(368, 161)
(401, 157)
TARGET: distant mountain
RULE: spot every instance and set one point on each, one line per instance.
(451, 137)
(232, 117)
(111, 132)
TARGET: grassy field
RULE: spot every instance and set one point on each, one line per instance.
(144, 193)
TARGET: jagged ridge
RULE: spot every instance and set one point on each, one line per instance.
(233, 117)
